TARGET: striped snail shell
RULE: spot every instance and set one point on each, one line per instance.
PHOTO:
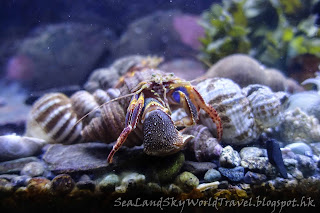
(109, 125)
(234, 109)
(53, 119)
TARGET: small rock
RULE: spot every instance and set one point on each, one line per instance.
(212, 175)
(154, 188)
(15, 147)
(62, 184)
(306, 165)
(76, 158)
(259, 165)
(5, 187)
(229, 158)
(109, 183)
(198, 168)
(167, 169)
(315, 148)
(254, 178)
(15, 166)
(300, 148)
(290, 164)
(187, 181)
(174, 189)
(223, 184)
(248, 152)
(86, 183)
(33, 169)
(233, 174)
(38, 185)
(20, 181)
(8, 176)
(275, 157)
(133, 180)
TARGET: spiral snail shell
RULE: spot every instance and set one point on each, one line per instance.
(245, 113)
(53, 119)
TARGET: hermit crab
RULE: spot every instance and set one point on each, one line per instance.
(152, 103)
(145, 119)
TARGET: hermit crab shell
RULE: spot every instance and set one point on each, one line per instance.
(266, 105)
(53, 119)
(234, 109)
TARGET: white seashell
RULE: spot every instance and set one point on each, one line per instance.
(53, 119)
(234, 109)
(14, 147)
(266, 105)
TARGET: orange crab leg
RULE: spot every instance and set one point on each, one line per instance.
(190, 110)
(132, 117)
(197, 98)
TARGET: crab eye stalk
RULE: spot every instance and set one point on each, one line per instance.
(176, 95)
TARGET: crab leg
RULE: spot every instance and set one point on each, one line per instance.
(132, 117)
(190, 109)
(208, 109)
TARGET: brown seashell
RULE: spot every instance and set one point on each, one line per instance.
(109, 125)
(105, 78)
(53, 119)
(203, 146)
(234, 109)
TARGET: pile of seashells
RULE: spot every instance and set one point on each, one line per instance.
(245, 113)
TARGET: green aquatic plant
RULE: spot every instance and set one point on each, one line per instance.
(272, 31)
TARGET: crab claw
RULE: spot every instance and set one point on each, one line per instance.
(160, 135)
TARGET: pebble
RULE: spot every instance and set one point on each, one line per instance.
(259, 165)
(315, 148)
(187, 181)
(132, 181)
(85, 182)
(229, 158)
(223, 184)
(109, 182)
(62, 184)
(248, 152)
(212, 175)
(38, 185)
(15, 147)
(33, 169)
(174, 189)
(5, 186)
(233, 174)
(300, 148)
(167, 169)
(20, 181)
(306, 165)
(198, 168)
(15, 166)
(254, 178)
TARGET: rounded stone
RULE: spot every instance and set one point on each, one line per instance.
(248, 152)
(62, 184)
(187, 181)
(20, 181)
(109, 182)
(86, 183)
(212, 175)
(33, 169)
(229, 157)
(254, 178)
(300, 148)
(233, 174)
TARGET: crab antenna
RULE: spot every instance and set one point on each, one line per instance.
(98, 107)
